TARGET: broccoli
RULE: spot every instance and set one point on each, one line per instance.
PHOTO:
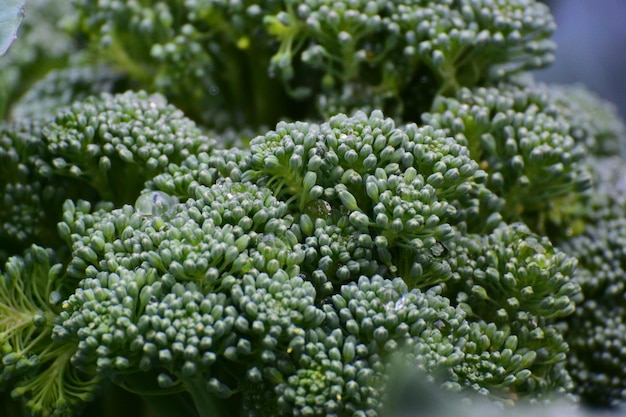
(521, 142)
(514, 286)
(31, 288)
(594, 331)
(101, 149)
(220, 303)
(62, 87)
(228, 62)
(233, 279)
(593, 121)
(278, 208)
(398, 192)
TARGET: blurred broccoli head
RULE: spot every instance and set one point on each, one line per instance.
(209, 58)
(596, 330)
(62, 87)
(24, 193)
(43, 45)
(596, 340)
(594, 122)
(114, 143)
(255, 62)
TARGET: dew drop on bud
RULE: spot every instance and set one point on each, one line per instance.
(154, 203)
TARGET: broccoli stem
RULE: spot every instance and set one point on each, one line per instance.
(207, 405)
(170, 405)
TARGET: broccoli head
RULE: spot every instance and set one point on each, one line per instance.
(101, 149)
(394, 194)
(288, 274)
(595, 330)
(524, 146)
(228, 62)
(515, 287)
(340, 194)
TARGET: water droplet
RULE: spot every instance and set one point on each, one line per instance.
(318, 209)
(154, 203)
(398, 305)
(438, 250)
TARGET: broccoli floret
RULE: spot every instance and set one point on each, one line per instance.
(596, 330)
(114, 143)
(408, 188)
(203, 169)
(32, 366)
(208, 57)
(514, 286)
(101, 149)
(608, 199)
(525, 147)
(220, 280)
(24, 194)
(343, 371)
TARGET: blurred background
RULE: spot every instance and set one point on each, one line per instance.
(591, 47)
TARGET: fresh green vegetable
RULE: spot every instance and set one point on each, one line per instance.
(280, 208)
